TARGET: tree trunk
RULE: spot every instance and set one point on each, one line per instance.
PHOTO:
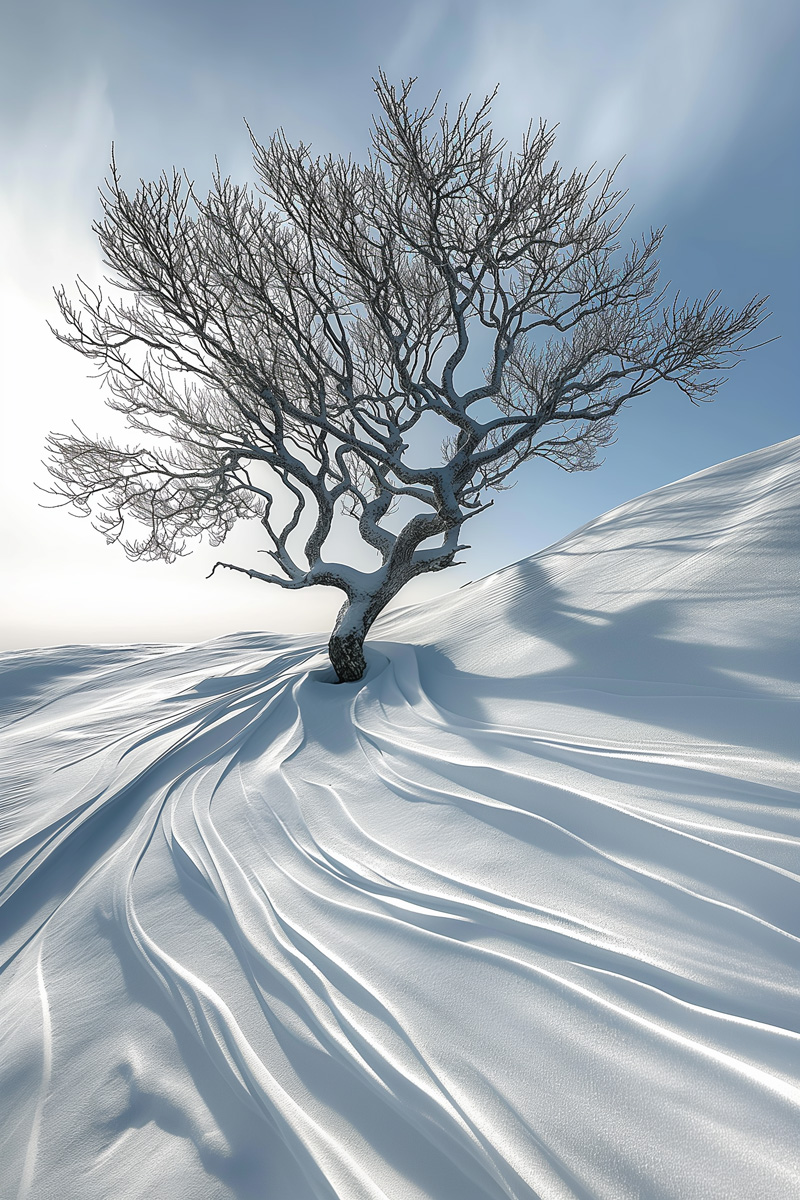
(346, 645)
(356, 617)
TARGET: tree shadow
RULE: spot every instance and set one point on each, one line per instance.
(32, 677)
(714, 653)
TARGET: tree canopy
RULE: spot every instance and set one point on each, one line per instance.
(278, 349)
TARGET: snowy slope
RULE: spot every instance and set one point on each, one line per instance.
(516, 916)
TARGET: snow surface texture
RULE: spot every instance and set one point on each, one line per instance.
(515, 916)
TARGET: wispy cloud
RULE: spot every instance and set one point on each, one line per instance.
(666, 84)
(54, 161)
(424, 21)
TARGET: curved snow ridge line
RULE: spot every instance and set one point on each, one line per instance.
(308, 963)
(555, 933)
(151, 668)
(536, 744)
(594, 947)
(404, 680)
(324, 1012)
(66, 848)
(29, 1166)
(223, 884)
(721, 1059)
(782, 902)
(432, 901)
(733, 482)
(57, 685)
(325, 1161)
(336, 833)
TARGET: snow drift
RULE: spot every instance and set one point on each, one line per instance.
(517, 915)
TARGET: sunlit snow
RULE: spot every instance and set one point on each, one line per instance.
(517, 915)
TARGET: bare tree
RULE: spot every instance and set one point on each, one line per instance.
(282, 353)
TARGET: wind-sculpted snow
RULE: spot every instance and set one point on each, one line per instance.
(517, 915)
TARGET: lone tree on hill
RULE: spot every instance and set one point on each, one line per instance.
(285, 356)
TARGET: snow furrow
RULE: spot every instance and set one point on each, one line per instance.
(496, 923)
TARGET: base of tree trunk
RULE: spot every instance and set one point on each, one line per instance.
(347, 656)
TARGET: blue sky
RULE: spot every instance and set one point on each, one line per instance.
(701, 96)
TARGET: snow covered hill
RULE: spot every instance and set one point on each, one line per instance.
(517, 916)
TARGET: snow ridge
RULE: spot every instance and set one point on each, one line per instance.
(516, 916)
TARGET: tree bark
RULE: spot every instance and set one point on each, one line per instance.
(356, 617)
(346, 645)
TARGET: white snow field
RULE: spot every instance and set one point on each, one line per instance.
(517, 915)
